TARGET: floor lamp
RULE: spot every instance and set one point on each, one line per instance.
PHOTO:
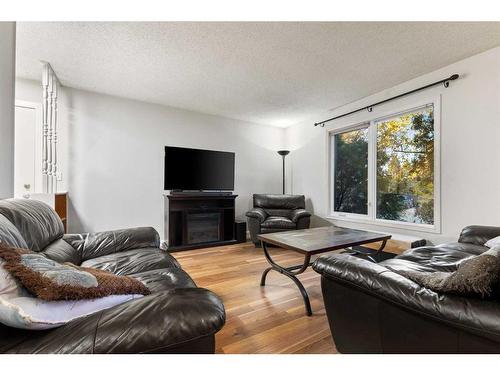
(283, 153)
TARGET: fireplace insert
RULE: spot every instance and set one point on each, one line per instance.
(203, 227)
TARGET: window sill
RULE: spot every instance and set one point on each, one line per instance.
(386, 223)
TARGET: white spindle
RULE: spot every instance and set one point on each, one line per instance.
(45, 125)
(54, 135)
(49, 130)
(49, 134)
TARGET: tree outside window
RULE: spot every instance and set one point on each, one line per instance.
(405, 167)
(351, 172)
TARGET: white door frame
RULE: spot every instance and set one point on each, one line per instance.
(38, 141)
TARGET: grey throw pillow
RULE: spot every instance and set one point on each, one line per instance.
(476, 276)
(59, 273)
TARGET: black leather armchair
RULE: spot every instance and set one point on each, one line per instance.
(275, 213)
(371, 308)
(177, 317)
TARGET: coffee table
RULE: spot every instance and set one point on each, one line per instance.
(311, 242)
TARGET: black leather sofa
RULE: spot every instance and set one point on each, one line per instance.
(275, 213)
(372, 309)
(177, 317)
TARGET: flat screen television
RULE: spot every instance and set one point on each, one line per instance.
(193, 169)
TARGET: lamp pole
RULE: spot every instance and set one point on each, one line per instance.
(283, 153)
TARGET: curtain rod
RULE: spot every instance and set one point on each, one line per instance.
(369, 108)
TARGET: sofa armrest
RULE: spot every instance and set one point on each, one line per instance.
(379, 281)
(158, 323)
(298, 214)
(257, 213)
(478, 234)
(93, 245)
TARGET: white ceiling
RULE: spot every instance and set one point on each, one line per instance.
(264, 72)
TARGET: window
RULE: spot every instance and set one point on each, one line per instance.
(384, 170)
(405, 167)
(351, 171)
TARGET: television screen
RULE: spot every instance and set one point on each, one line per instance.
(192, 169)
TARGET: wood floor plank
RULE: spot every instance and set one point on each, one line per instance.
(269, 319)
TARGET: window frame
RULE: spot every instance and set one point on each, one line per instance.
(359, 126)
(370, 123)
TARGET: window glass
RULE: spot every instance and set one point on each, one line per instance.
(351, 171)
(405, 167)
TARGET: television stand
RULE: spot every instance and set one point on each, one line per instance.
(195, 219)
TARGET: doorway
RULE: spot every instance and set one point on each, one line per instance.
(28, 148)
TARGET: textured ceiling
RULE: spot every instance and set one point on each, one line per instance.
(264, 72)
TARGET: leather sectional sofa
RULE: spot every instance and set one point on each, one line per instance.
(177, 317)
(276, 213)
(373, 309)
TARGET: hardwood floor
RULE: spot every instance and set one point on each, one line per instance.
(269, 319)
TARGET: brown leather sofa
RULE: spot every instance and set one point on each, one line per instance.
(373, 309)
(276, 213)
(177, 317)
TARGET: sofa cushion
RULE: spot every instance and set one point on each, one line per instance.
(278, 222)
(38, 224)
(438, 258)
(93, 245)
(273, 230)
(399, 265)
(164, 279)
(478, 234)
(62, 252)
(279, 212)
(477, 275)
(133, 261)
(468, 248)
(279, 201)
(9, 235)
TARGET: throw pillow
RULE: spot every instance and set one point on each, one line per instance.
(493, 242)
(51, 281)
(19, 309)
(476, 276)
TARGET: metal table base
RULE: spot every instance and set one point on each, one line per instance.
(292, 272)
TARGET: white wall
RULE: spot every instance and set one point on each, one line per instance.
(112, 150)
(7, 89)
(470, 146)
